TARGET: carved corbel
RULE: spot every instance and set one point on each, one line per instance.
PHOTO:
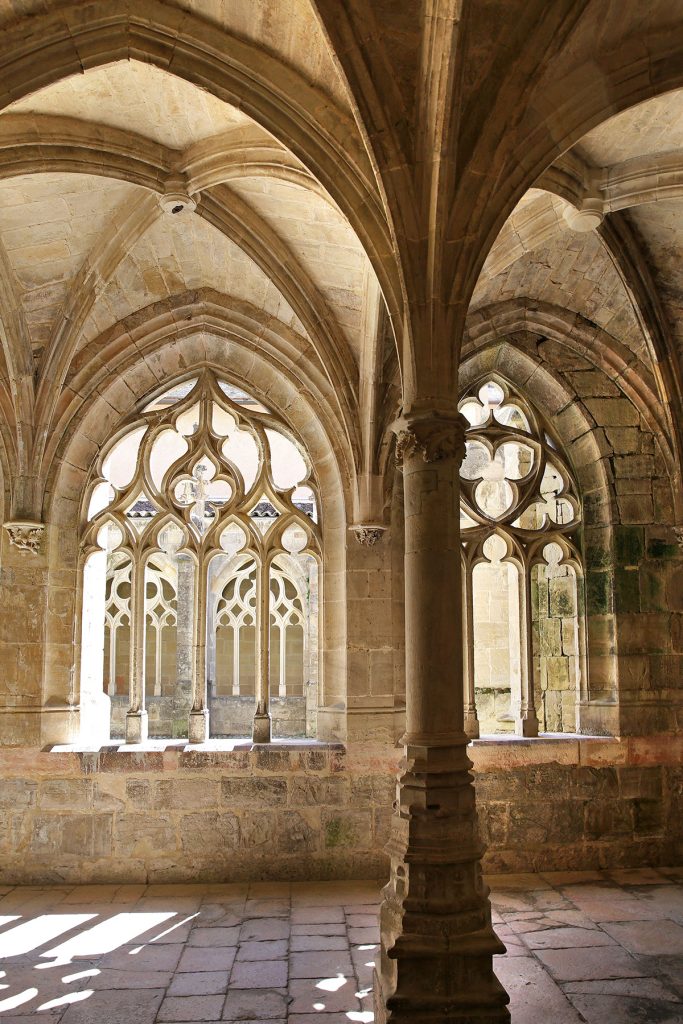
(368, 534)
(26, 535)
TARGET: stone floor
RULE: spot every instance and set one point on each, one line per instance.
(583, 948)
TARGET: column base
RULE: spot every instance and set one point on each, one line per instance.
(527, 724)
(136, 727)
(437, 941)
(198, 731)
(261, 731)
(471, 725)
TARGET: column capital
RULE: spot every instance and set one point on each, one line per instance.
(434, 434)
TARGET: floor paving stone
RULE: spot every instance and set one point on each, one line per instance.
(261, 1005)
(651, 938)
(191, 1008)
(297, 954)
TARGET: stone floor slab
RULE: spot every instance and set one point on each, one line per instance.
(605, 1009)
(250, 1006)
(649, 938)
(597, 962)
(191, 1008)
(201, 983)
(605, 949)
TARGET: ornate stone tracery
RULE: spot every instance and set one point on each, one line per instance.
(204, 476)
(519, 515)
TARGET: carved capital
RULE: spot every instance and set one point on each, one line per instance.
(678, 530)
(434, 437)
(25, 535)
(368, 535)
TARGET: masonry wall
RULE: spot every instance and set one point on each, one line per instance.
(324, 812)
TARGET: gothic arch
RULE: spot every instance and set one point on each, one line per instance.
(106, 402)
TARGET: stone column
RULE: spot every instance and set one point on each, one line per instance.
(184, 613)
(437, 942)
(526, 723)
(471, 717)
(136, 718)
(95, 705)
(262, 725)
(199, 714)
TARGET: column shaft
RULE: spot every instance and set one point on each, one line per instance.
(471, 717)
(527, 719)
(262, 725)
(136, 719)
(199, 712)
(436, 934)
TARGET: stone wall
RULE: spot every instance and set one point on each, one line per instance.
(313, 811)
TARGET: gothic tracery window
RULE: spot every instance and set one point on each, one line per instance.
(520, 514)
(201, 545)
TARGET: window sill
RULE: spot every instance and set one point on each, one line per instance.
(182, 745)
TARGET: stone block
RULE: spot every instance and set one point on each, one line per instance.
(258, 829)
(644, 632)
(550, 637)
(269, 759)
(16, 793)
(591, 783)
(624, 440)
(629, 545)
(66, 794)
(626, 590)
(144, 834)
(253, 792)
(376, 790)
(640, 783)
(674, 591)
(298, 832)
(636, 508)
(347, 829)
(599, 592)
(608, 818)
(648, 817)
(557, 673)
(318, 791)
(506, 786)
(613, 412)
(634, 466)
(179, 794)
(211, 834)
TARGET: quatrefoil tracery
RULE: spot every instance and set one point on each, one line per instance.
(514, 475)
(202, 461)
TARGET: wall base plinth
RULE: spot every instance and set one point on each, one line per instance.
(136, 727)
(199, 726)
(472, 723)
(527, 724)
(261, 731)
(437, 941)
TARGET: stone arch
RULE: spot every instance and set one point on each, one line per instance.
(580, 336)
(626, 541)
(239, 331)
(95, 414)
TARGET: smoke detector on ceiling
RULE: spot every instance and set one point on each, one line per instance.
(586, 217)
(176, 203)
